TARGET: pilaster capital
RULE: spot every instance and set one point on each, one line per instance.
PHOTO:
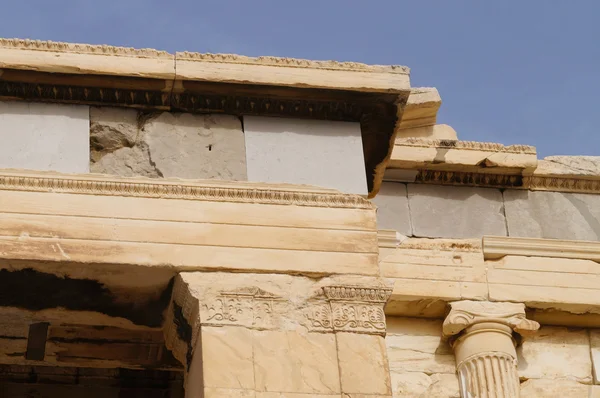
(464, 314)
(272, 302)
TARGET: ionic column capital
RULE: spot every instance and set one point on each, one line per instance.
(481, 334)
(464, 314)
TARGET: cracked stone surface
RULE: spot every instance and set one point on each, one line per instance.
(455, 212)
(127, 143)
(552, 215)
(570, 165)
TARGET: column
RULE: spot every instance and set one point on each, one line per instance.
(274, 336)
(481, 334)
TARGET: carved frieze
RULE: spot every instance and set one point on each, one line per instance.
(114, 186)
(350, 308)
(249, 307)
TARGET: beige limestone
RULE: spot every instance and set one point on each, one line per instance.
(85, 59)
(550, 388)
(228, 358)
(436, 132)
(227, 68)
(292, 361)
(428, 273)
(171, 224)
(421, 108)
(112, 129)
(583, 166)
(595, 347)
(495, 247)
(423, 385)
(363, 364)
(481, 335)
(301, 336)
(556, 353)
(416, 345)
(448, 155)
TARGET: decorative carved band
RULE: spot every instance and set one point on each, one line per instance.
(490, 375)
(533, 183)
(466, 145)
(170, 190)
(39, 45)
(470, 179)
(357, 309)
(291, 62)
(561, 184)
(250, 307)
(357, 293)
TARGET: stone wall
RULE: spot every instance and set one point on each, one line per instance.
(436, 211)
(130, 143)
(553, 359)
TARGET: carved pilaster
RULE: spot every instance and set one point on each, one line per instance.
(349, 308)
(481, 334)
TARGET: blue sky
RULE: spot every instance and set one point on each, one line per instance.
(514, 72)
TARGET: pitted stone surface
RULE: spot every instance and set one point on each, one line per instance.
(197, 146)
(127, 143)
(570, 165)
(392, 208)
(552, 215)
(49, 137)
(455, 212)
(112, 129)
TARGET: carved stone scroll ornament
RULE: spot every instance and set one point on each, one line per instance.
(481, 334)
(355, 309)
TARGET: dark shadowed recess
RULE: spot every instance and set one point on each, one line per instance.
(33, 290)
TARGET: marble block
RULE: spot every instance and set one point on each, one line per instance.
(314, 152)
(48, 137)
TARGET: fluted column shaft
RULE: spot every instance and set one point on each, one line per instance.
(481, 335)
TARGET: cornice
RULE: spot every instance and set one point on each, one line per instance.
(169, 189)
(443, 177)
(563, 184)
(466, 145)
(496, 247)
(39, 45)
(291, 62)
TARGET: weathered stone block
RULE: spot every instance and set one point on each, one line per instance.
(315, 152)
(415, 345)
(552, 215)
(290, 361)
(548, 388)
(44, 137)
(363, 364)
(127, 143)
(556, 353)
(423, 385)
(196, 146)
(112, 129)
(455, 212)
(392, 208)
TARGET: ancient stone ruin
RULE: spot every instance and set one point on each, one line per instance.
(205, 225)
